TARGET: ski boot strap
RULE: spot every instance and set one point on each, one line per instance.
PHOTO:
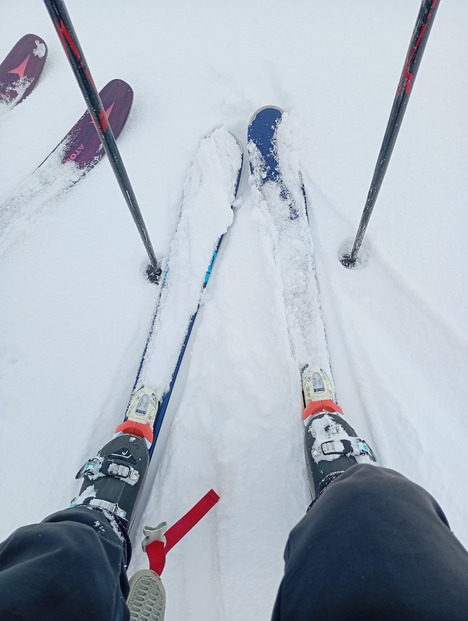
(99, 503)
(100, 467)
(112, 507)
(346, 447)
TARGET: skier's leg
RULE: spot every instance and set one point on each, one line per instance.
(72, 565)
(374, 545)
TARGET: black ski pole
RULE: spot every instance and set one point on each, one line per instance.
(72, 47)
(418, 42)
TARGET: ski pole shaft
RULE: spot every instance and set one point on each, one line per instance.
(416, 48)
(74, 52)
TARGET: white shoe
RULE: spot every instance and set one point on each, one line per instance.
(147, 598)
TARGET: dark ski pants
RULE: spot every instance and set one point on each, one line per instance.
(373, 546)
(70, 567)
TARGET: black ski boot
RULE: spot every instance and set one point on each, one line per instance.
(331, 444)
(114, 478)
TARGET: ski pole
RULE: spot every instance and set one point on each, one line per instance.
(72, 47)
(418, 42)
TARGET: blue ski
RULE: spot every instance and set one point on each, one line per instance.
(210, 189)
(276, 178)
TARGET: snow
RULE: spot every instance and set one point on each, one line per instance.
(39, 50)
(75, 308)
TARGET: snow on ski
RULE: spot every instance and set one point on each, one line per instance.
(21, 70)
(276, 179)
(206, 214)
(76, 155)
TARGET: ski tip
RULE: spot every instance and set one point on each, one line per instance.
(21, 69)
(35, 42)
(238, 141)
(117, 83)
(241, 152)
(261, 141)
(267, 113)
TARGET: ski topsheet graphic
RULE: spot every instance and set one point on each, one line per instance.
(276, 178)
(77, 154)
(20, 71)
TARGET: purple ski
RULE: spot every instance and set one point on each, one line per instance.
(21, 69)
(82, 143)
(69, 162)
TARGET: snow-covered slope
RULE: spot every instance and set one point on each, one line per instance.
(75, 308)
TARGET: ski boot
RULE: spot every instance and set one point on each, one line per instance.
(331, 444)
(114, 478)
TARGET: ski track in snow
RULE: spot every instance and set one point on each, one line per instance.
(75, 309)
(41, 189)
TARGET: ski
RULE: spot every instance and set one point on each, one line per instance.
(82, 144)
(78, 152)
(21, 70)
(331, 444)
(277, 181)
(206, 214)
